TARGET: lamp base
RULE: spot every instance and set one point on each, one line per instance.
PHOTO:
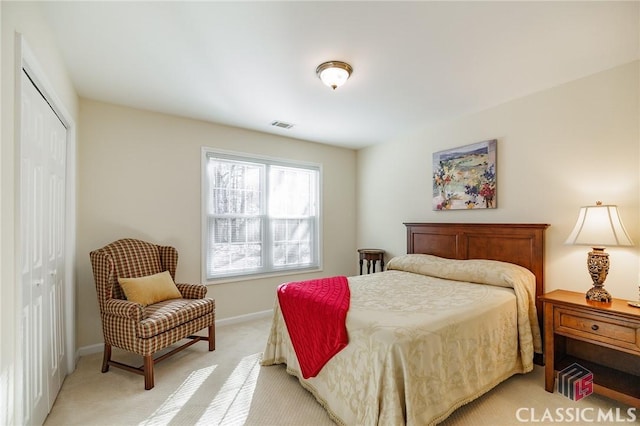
(598, 294)
(598, 266)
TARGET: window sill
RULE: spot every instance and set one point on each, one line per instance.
(226, 280)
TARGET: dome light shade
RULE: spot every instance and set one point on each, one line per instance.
(334, 73)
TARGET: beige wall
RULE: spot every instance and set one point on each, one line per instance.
(557, 150)
(139, 176)
(24, 18)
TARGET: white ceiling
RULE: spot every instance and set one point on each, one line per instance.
(247, 64)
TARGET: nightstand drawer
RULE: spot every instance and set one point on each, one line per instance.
(586, 325)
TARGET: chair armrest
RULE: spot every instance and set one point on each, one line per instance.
(123, 308)
(192, 291)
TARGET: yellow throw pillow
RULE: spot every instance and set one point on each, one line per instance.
(150, 289)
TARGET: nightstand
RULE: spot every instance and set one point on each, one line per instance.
(602, 337)
(371, 256)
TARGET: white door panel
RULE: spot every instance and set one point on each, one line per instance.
(42, 213)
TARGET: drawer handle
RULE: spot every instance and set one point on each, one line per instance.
(595, 327)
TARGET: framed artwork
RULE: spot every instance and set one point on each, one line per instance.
(465, 177)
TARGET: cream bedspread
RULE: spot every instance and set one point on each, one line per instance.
(420, 345)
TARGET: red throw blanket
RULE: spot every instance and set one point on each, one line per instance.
(315, 313)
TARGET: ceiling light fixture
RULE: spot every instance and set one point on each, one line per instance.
(334, 73)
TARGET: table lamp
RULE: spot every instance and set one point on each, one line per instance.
(599, 226)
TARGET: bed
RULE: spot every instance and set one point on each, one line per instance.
(443, 325)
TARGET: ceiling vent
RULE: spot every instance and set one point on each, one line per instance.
(282, 124)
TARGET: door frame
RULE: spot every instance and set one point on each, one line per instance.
(25, 59)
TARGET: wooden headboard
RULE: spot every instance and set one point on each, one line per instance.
(522, 244)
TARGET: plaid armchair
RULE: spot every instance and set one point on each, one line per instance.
(140, 329)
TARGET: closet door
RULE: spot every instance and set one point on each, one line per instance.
(42, 215)
(56, 155)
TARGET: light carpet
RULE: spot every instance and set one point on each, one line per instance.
(229, 387)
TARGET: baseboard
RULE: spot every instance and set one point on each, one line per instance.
(92, 349)
(244, 318)
(88, 350)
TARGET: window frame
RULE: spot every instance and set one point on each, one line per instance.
(267, 240)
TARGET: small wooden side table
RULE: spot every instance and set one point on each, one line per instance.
(371, 256)
(602, 337)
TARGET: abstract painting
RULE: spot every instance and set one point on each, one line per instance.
(465, 177)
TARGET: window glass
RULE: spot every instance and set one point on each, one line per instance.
(261, 215)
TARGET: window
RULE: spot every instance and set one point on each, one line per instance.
(259, 215)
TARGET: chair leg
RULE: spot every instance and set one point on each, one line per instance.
(148, 372)
(106, 357)
(212, 337)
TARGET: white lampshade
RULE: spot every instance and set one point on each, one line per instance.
(334, 73)
(599, 226)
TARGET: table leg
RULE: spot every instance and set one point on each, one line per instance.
(549, 355)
